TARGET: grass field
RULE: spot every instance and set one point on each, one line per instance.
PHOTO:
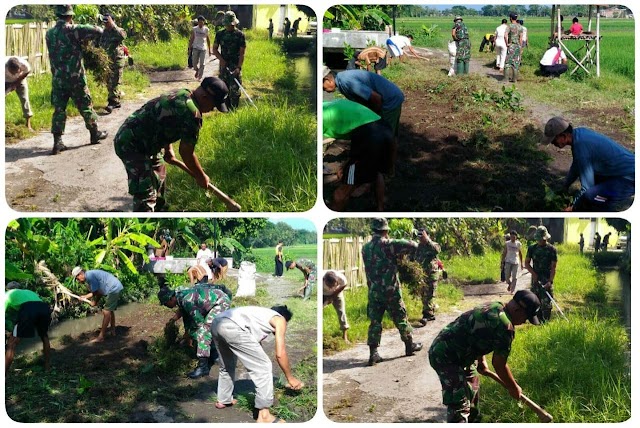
(617, 57)
(265, 262)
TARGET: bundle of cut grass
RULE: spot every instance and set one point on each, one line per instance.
(97, 60)
(411, 275)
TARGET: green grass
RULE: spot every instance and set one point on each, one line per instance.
(447, 295)
(577, 370)
(265, 256)
(475, 269)
(617, 62)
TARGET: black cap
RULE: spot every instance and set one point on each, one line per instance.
(513, 16)
(513, 232)
(201, 18)
(530, 303)
(217, 91)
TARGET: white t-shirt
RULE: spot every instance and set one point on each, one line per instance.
(203, 255)
(200, 37)
(500, 32)
(550, 55)
(326, 291)
(513, 249)
(10, 77)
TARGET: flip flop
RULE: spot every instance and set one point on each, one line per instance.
(277, 420)
(220, 405)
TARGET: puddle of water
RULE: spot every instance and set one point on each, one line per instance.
(306, 73)
(74, 327)
(619, 293)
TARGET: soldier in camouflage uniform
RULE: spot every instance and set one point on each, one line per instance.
(457, 353)
(64, 43)
(544, 257)
(198, 306)
(460, 34)
(308, 269)
(380, 256)
(229, 47)
(513, 37)
(427, 256)
(111, 42)
(153, 128)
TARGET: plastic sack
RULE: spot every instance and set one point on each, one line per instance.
(246, 280)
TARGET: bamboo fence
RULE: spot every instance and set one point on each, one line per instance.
(27, 41)
(345, 255)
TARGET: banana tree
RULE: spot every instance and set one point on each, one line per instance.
(24, 235)
(358, 17)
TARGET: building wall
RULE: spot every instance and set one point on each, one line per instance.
(277, 12)
(588, 227)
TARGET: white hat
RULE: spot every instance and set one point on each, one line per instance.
(325, 71)
(76, 270)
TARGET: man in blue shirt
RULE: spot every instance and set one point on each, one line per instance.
(101, 283)
(606, 169)
(372, 91)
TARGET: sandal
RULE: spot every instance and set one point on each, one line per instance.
(220, 405)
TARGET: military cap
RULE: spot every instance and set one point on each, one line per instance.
(230, 18)
(379, 224)
(65, 10)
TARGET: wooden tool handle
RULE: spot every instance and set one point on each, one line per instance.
(230, 203)
(543, 415)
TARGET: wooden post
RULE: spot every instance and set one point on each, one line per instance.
(598, 41)
(589, 26)
(553, 14)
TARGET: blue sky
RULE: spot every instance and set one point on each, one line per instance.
(296, 223)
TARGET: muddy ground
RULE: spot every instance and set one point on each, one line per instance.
(85, 177)
(447, 162)
(400, 389)
(116, 381)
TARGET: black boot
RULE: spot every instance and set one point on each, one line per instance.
(96, 136)
(202, 369)
(411, 348)
(374, 357)
(57, 144)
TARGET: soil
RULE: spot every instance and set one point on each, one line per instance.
(120, 368)
(84, 177)
(399, 389)
(446, 161)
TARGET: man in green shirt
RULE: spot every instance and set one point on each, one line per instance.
(25, 312)
(457, 353)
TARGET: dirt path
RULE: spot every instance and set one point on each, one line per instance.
(85, 177)
(400, 389)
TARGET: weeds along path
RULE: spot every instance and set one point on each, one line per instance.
(400, 389)
(84, 177)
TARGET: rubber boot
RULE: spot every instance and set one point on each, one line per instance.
(374, 357)
(507, 73)
(57, 144)
(515, 76)
(411, 348)
(97, 135)
(202, 369)
(459, 68)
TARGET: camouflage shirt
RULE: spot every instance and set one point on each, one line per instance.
(64, 43)
(195, 303)
(427, 256)
(380, 256)
(230, 43)
(163, 120)
(542, 258)
(307, 267)
(111, 41)
(513, 34)
(475, 333)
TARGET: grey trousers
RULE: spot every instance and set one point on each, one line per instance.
(511, 274)
(341, 311)
(198, 57)
(233, 343)
(23, 94)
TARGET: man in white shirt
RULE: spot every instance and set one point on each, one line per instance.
(203, 255)
(512, 252)
(396, 45)
(501, 45)
(553, 62)
(16, 71)
(199, 35)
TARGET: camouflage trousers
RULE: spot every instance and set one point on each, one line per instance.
(460, 389)
(545, 302)
(311, 285)
(113, 85)
(386, 300)
(463, 50)
(202, 335)
(78, 91)
(514, 55)
(146, 178)
(234, 89)
(428, 293)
